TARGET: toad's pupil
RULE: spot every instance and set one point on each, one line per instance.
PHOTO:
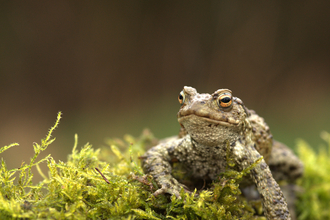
(225, 99)
(180, 97)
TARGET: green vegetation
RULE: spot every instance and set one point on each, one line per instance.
(314, 200)
(76, 190)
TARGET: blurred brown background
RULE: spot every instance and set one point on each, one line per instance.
(116, 67)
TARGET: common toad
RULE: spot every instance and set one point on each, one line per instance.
(210, 123)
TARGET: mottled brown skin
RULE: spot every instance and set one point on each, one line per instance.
(209, 123)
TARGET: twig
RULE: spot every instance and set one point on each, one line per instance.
(105, 179)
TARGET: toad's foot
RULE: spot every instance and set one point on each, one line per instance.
(169, 185)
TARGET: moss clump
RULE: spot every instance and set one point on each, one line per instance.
(75, 190)
(314, 200)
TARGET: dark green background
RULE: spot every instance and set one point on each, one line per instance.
(116, 67)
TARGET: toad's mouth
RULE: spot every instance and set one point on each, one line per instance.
(220, 121)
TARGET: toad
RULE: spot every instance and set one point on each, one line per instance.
(212, 123)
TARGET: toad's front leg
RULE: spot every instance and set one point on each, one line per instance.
(273, 200)
(156, 162)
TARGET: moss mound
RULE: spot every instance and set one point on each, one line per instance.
(118, 189)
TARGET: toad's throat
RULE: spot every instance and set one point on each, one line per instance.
(221, 120)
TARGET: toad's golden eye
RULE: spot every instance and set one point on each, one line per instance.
(225, 100)
(181, 97)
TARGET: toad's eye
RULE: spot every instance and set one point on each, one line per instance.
(181, 97)
(225, 100)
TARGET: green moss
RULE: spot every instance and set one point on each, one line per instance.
(75, 189)
(314, 200)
